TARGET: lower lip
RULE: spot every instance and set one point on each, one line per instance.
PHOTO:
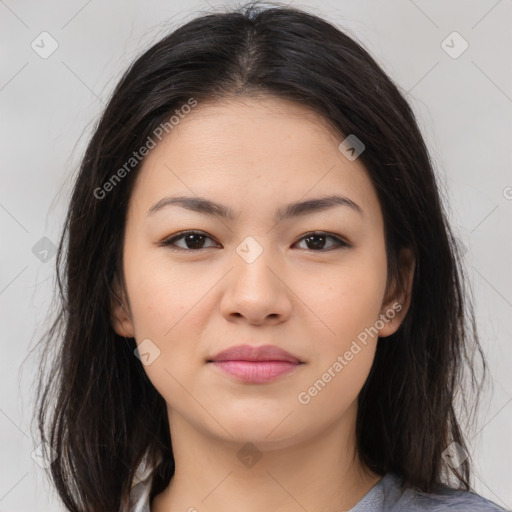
(256, 372)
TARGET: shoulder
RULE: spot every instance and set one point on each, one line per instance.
(462, 501)
(444, 499)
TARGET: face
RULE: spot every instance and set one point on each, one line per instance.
(310, 281)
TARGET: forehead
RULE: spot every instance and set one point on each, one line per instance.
(252, 152)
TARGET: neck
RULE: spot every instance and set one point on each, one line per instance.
(220, 475)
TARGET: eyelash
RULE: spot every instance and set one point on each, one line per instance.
(169, 242)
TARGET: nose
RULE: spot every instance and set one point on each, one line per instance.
(257, 292)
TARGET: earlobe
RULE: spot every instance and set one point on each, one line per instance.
(120, 316)
(395, 310)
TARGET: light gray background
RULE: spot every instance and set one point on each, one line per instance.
(464, 106)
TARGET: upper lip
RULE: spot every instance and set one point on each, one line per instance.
(249, 353)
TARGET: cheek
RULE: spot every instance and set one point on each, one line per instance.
(346, 298)
(345, 341)
(171, 304)
(161, 292)
(165, 305)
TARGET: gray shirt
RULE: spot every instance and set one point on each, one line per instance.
(384, 496)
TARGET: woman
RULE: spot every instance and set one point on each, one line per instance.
(263, 306)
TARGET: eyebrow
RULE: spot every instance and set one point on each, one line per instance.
(296, 209)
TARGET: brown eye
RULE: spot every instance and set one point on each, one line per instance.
(316, 241)
(193, 240)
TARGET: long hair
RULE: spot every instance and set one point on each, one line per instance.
(95, 405)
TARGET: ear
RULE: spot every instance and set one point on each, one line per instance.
(395, 308)
(120, 315)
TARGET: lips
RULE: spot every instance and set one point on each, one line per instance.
(255, 365)
(262, 353)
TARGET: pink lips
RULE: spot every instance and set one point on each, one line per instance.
(255, 364)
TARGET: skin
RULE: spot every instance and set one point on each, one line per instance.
(256, 155)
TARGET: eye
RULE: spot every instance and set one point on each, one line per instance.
(316, 241)
(194, 240)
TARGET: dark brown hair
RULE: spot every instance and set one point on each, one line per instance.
(96, 406)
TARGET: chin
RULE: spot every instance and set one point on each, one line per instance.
(268, 431)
